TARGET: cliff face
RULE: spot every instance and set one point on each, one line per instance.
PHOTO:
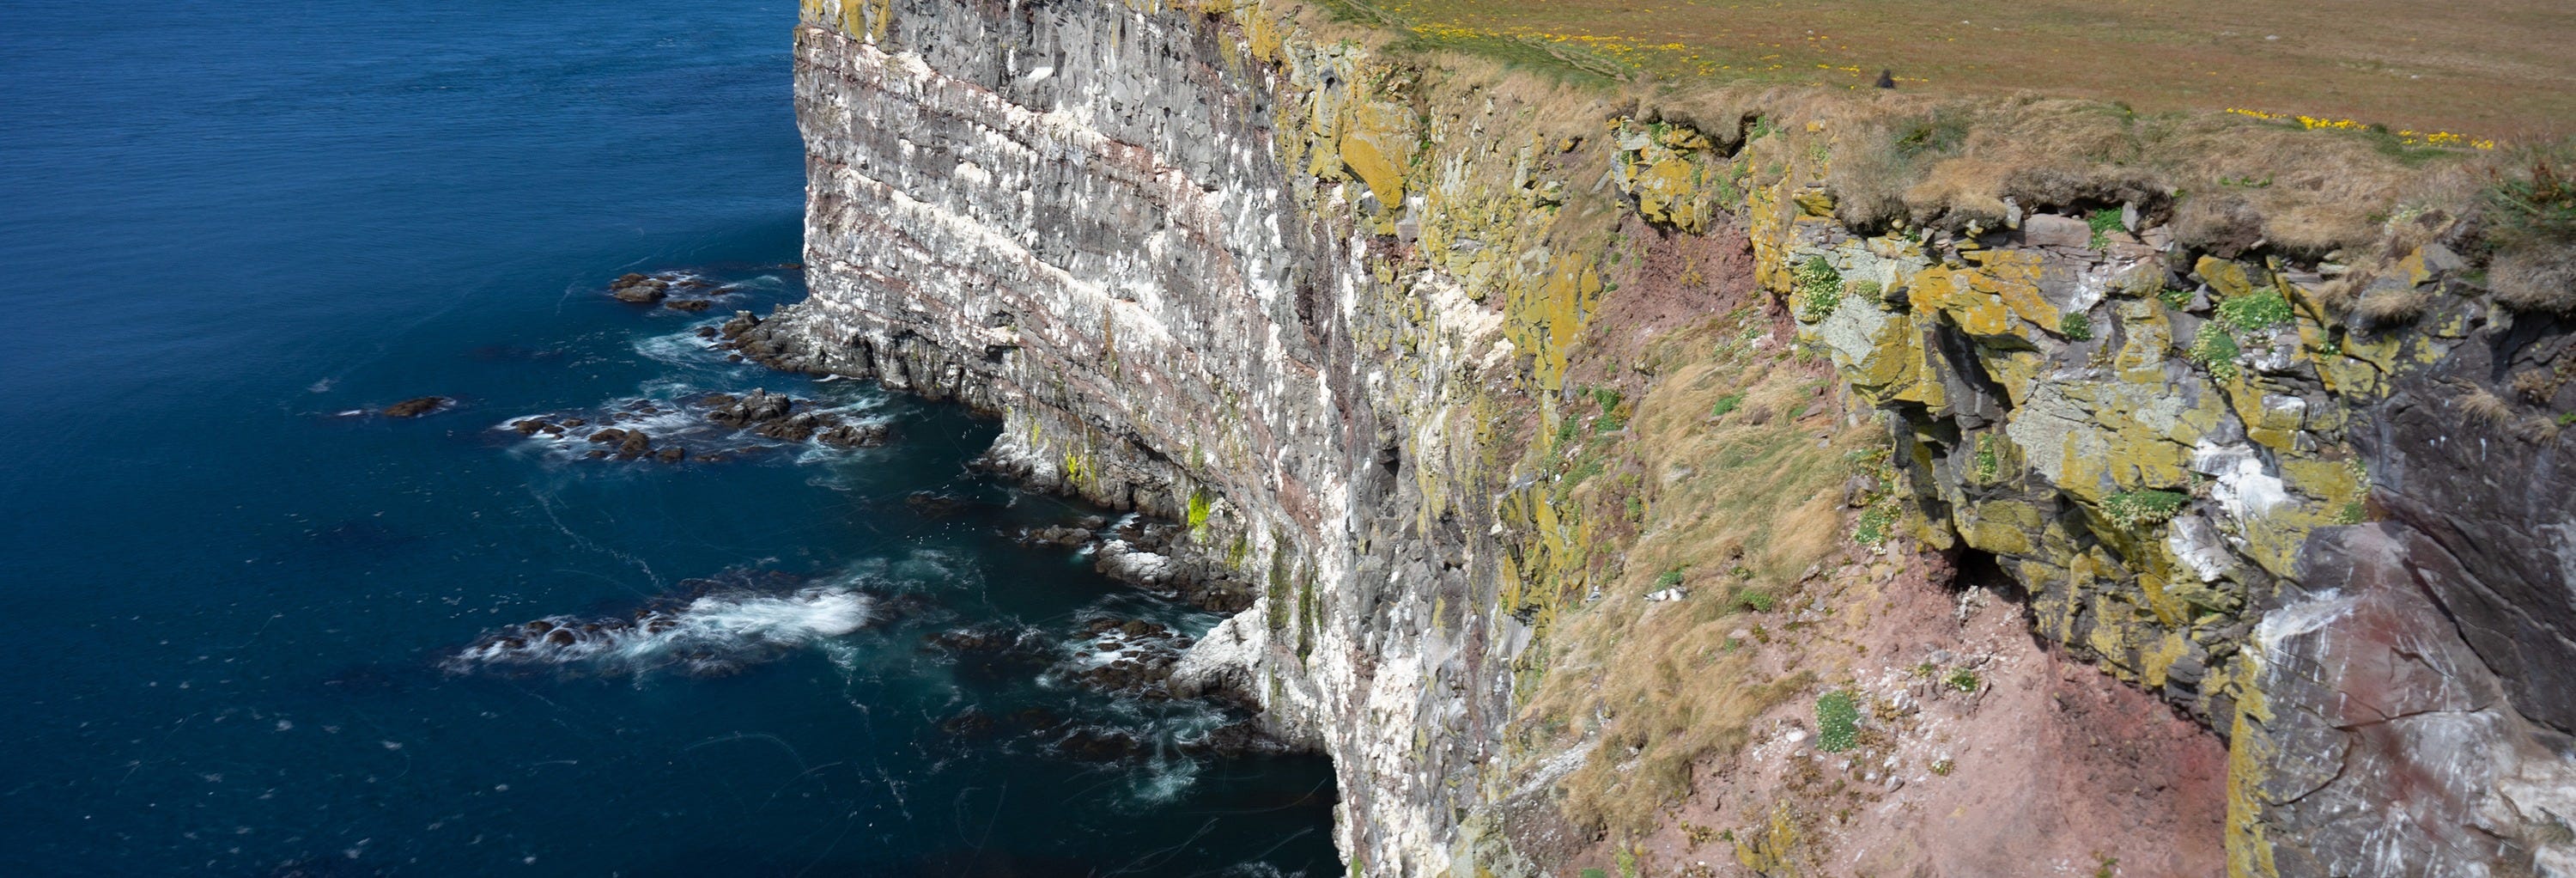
(1328, 308)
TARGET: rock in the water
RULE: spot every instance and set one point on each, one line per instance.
(413, 408)
(638, 289)
(854, 435)
(691, 305)
(751, 408)
(793, 428)
(1055, 536)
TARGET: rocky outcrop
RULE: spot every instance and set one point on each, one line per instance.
(1319, 308)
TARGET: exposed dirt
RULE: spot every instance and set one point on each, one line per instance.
(1979, 753)
(1667, 281)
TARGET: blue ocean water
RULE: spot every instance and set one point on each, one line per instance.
(238, 616)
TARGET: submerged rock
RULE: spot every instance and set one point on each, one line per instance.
(415, 407)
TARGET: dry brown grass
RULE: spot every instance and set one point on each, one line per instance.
(2536, 279)
(1746, 502)
(2535, 386)
(2483, 406)
(2490, 68)
(2393, 307)
(2227, 183)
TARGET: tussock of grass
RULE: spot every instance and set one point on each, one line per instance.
(2535, 232)
(1759, 503)
(2392, 307)
(2485, 407)
(2537, 279)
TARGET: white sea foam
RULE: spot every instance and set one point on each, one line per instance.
(683, 348)
(672, 412)
(712, 634)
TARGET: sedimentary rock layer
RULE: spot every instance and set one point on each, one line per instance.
(1321, 311)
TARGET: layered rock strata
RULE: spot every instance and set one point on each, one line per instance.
(1317, 309)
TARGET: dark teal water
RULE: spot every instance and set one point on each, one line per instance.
(233, 613)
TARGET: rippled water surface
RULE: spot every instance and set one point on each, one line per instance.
(255, 630)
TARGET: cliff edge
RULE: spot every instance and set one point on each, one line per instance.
(1753, 482)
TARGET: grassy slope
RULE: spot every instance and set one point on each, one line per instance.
(2496, 69)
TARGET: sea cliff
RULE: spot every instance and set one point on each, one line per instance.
(1481, 394)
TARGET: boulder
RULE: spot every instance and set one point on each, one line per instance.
(646, 293)
(854, 435)
(751, 408)
(2051, 230)
(793, 428)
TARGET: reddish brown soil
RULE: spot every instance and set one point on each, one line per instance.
(2054, 768)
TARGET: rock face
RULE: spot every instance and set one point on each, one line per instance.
(1314, 309)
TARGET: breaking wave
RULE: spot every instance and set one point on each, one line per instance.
(712, 635)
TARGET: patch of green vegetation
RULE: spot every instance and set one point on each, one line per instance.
(1607, 397)
(1963, 680)
(2256, 311)
(1864, 290)
(2076, 326)
(2174, 297)
(2136, 509)
(2351, 513)
(2540, 205)
(1568, 64)
(1837, 721)
(1820, 289)
(1874, 526)
(2104, 222)
(1754, 599)
(1727, 403)
(1199, 508)
(1943, 766)
(1566, 428)
(1989, 462)
(2567, 419)
(1938, 134)
(1669, 578)
(2216, 349)
(1584, 468)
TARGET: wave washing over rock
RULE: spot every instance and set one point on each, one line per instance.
(711, 635)
(1562, 444)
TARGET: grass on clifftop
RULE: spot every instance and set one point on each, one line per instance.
(2497, 69)
(2221, 182)
(1740, 500)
